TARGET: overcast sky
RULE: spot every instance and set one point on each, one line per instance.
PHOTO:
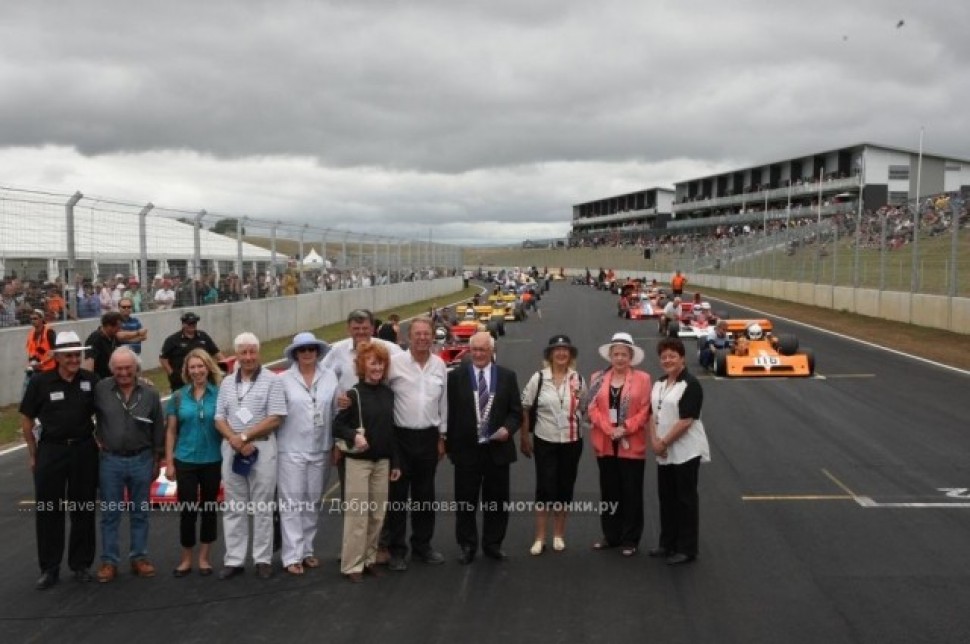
(482, 120)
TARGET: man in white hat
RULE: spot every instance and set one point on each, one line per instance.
(65, 460)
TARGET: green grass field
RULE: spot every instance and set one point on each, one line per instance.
(270, 350)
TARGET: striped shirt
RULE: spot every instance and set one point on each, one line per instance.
(262, 397)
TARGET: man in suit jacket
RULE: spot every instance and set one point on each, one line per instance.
(484, 411)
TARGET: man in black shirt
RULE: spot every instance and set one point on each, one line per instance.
(178, 345)
(103, 341)
(64, 461)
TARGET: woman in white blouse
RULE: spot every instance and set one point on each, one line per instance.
(552, 430)
(304, 442)
(680, 444)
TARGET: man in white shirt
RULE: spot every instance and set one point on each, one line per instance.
(165, 296)
(340, 359)
(250, 407)
(419, 380)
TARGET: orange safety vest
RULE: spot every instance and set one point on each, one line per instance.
(678, 282)
(41, 348)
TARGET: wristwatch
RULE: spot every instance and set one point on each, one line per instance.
(245, 439)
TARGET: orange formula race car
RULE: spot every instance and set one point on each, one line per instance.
(759, 353)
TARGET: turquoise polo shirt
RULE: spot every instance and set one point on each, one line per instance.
(197, 440)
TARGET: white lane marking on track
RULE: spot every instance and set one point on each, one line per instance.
(836, 334)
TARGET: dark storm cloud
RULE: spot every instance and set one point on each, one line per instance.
(472, 119)
(447, 87)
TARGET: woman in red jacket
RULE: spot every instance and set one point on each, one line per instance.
(619, 411)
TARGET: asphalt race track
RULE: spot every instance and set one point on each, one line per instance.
(835, 509)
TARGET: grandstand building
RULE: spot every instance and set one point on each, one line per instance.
(627, 213)
(794, 188)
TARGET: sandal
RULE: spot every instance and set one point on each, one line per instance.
(537, 548)
(295, 569)
(311, 562)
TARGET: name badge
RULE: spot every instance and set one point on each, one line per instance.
(85, 385)
(57, 395)
(244, 415)
(317, 419)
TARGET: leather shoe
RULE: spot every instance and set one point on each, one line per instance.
(178, 573)
(679, 558)
(429, 556)
(466, 557)
(107, 572)
(231, 571)
(142, 568)
(354, 577)
(47, 580)
(659, 552)
(83, 575)
(264, 570)
(397, 564)
(373, 570)
(495, 553)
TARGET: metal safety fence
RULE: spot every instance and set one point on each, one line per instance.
(76, 256)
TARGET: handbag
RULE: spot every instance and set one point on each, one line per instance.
(341, 443)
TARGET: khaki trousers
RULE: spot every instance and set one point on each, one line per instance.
(365, 503)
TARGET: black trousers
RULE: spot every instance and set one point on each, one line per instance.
(557, 465)
(481, 480)
(198, 487)
(66, 480)
(621, 486)
(679, 506)
(418, 451)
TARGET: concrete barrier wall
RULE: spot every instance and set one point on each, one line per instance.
(268, 319)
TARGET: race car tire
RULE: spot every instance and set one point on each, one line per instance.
(787, 344)
(493, 329)
(720, 362)
(810, 357)
(673, 328)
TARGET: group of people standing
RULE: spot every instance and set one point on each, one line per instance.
(384, 417)
(625, 416)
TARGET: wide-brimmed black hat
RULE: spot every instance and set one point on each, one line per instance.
(557, 341)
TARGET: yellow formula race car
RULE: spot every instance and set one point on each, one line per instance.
(756, 352)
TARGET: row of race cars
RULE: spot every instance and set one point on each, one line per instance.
(726, 347)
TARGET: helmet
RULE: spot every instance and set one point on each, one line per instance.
(697, 308)
(469, 313)
(755, 332)
(440, 334)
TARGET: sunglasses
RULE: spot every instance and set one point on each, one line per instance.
(124, 307)
(306, 348)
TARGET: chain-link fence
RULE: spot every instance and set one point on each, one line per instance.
(73, 256)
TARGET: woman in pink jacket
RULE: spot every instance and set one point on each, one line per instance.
(619, 411)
